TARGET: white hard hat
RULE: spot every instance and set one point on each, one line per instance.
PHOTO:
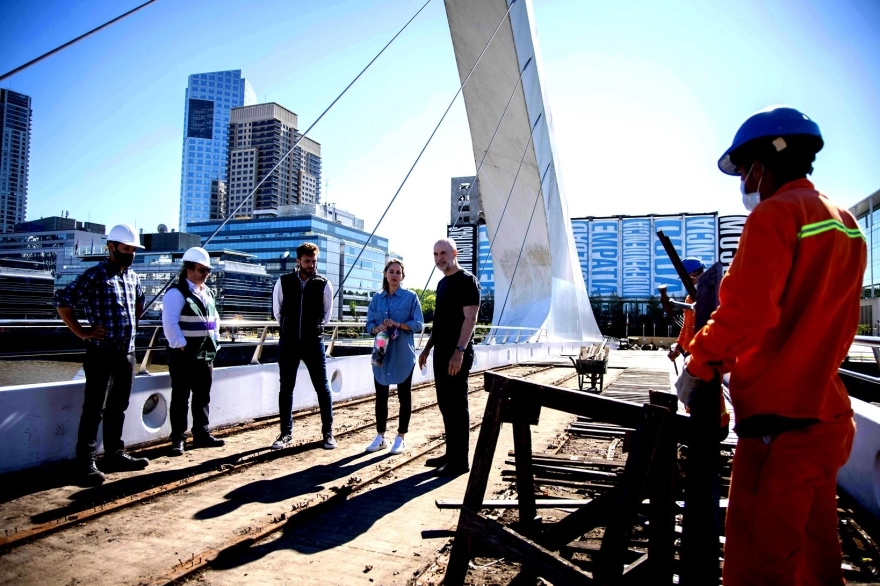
(199, 255)
(124, 234)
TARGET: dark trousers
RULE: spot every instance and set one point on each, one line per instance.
(404, 395)
(452, 400)
(109, 376)
(290, 353)
(189, 375)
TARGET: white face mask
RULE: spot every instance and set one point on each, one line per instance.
(750, 200)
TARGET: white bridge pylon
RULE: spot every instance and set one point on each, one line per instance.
(547, 290)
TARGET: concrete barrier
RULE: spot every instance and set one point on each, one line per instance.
(38, 423)
(860, 476)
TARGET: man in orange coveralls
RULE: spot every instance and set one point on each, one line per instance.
(694, 267)
(788, 313)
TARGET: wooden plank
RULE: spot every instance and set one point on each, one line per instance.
(525, 477)
(609, 566)
(514, 503)
(594, 514)
(518, 548)
(546, 471)
(484, 452)
(662, 507)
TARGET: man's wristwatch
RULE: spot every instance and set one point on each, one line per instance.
(461, 349)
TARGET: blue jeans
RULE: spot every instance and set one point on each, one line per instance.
(290, 353)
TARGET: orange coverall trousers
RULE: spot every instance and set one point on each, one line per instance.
(782, 515)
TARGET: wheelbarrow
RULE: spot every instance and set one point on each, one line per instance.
(593, 368)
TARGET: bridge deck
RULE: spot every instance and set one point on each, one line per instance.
(290, 512)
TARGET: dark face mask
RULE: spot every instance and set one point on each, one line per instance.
(123, 260)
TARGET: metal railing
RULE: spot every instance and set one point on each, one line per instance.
(873, 343)
(259, 334)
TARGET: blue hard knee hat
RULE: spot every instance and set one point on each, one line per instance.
(771, 122)
(693, 264)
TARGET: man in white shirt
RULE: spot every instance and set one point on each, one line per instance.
(301, 302)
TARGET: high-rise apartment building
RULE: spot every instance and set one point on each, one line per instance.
(15, 146)
(464, 201)
(259, 137)
(209, 98)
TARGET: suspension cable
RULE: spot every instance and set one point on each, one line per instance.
(295, 144)
(525, 238)
(480, 166)
(442, 118)
(69, 43)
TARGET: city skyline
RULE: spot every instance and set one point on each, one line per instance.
(644, 99)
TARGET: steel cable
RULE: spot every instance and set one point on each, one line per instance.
(295, 144)
(416, 162)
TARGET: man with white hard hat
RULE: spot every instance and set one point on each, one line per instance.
(111, 294)
(190, 320)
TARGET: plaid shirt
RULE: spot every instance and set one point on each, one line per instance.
(110, 299)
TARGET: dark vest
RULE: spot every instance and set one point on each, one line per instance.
(198, 322)
(302, 308)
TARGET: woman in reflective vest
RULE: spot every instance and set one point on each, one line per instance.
(190, 322)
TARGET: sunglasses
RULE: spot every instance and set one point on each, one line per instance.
(202, 270)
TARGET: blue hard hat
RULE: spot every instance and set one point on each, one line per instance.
(693, 264)
(771, 122)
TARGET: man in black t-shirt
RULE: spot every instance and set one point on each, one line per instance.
(452, 337)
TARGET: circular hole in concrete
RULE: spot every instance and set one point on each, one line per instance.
(155, 412)
(336, 381)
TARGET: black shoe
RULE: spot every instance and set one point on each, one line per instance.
(88, 475)
(176, 448)
(122, 462)
(450, 470)
(208, 441)
(436, 462)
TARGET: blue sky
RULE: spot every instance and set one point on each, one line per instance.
(645, 96)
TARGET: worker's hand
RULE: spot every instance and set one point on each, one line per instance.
(390, 323)
(674, 352)
(423, 359)
(94, 333)
(455, 363)
(685, 385)
(379, 328)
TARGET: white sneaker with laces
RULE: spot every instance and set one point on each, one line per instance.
(282, 442)
(399, 445)
(377, 444)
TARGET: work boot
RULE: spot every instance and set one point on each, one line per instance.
(88, 475)
(436, 462)
(176, 448)
(450, 470)
(208, 441)
(122, 462)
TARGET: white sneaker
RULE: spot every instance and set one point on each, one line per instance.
(282, 442)
(399, 445)
(377, 444)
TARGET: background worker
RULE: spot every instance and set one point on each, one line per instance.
(190, 323)
(694, 268)
(452, 337)
(301, 302)
(789, 308)
(111, 294)
(398, 312)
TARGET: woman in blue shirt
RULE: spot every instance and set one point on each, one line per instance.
(398, 312)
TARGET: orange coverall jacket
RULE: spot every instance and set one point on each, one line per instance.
(687, 329)
(789, 310)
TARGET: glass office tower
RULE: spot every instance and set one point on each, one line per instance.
(209, 98)
(15, 145)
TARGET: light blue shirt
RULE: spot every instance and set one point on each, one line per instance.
(400, 357)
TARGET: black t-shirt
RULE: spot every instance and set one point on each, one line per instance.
(454, 293)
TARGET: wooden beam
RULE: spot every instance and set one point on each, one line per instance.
(594, 514)
(525, 477)
(478, 480)
(520, 549)
(609, 566)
